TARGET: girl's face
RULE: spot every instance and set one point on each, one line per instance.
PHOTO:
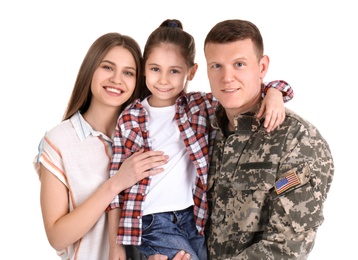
(114, 80)
(167, 74)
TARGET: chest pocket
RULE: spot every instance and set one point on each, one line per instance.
(242, 199)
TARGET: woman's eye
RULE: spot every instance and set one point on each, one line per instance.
(129, 73)
(107, 67)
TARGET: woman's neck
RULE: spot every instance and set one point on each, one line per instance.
(103, 120)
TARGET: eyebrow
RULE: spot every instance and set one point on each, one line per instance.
(172, 67)
(108, 62)
(111, 62)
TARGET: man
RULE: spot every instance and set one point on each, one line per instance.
(266, 190)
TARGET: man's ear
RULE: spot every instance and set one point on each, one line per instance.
(264, 65)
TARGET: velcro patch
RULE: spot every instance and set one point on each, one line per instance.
(288, 181)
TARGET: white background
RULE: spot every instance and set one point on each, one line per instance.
(312, 45)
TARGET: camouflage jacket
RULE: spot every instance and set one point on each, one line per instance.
(266, 190)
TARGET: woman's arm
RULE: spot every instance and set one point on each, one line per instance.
(63, 227)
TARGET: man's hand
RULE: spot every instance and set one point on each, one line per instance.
(181, 255)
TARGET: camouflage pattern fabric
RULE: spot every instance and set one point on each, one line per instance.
(266, 190)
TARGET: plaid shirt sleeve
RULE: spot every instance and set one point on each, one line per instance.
(124, 141)
(118, 158)
(281, 85)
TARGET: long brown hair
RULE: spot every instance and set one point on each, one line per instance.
(81, 94)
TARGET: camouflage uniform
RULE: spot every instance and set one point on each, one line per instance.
(266, 190)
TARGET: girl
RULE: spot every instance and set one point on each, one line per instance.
(167, 212)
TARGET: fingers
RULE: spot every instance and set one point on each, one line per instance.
(273, 120)
(139, 166)
(181, 255)
(148, 162)
(151, 160)
(141, 155)
(157, 257)
(261, 111)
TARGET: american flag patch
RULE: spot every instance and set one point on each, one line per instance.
(286, 182)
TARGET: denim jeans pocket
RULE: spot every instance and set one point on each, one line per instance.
(147, 221)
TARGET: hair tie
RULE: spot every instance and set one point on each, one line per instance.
(172, 24)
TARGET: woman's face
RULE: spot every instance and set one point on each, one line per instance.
(114, 80)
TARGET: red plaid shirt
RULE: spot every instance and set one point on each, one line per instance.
(194, 112)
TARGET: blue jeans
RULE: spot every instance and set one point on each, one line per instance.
(168, 232)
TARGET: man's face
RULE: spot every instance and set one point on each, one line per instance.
(235, 74)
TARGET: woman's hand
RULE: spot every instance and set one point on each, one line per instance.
(117, 252)
(139, 166)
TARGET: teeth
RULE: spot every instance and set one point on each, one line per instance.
(114, 90)
(163, 89)
(229, 90)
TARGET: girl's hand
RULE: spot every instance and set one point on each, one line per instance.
(274, 109)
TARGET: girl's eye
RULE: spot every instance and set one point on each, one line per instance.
(175, 71)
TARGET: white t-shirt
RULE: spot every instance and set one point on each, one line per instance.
(79, 157)
(172, 189)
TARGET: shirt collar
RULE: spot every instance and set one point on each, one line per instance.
(84, 129)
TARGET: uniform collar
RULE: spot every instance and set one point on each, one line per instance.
(244, 123)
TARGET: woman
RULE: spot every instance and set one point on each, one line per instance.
(73, 160)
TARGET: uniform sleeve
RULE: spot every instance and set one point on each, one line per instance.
(296, 200)
(281, 85)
